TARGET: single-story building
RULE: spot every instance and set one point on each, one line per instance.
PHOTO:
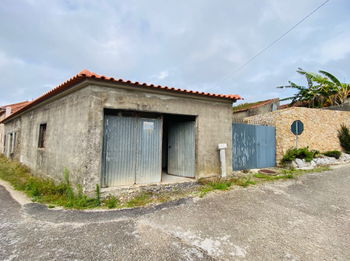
(114, 132)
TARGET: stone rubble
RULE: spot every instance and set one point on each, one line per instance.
(321, 161)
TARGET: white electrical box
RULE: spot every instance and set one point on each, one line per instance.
(222, 146)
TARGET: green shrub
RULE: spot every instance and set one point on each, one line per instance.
(45, 190)
(111, 202)
(333, 153)
(344, 138)
(302, 153)
(98, 195)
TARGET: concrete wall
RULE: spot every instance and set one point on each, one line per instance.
(2, 137)
(75, 129)
(66, 137)
(213, 124)
(2, 130)
(240, 115)
(320, 128)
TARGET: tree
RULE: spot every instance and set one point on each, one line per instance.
(323, 89)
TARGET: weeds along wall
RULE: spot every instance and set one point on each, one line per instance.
(320, 128)
(65, 144)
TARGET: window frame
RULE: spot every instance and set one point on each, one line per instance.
(42, 136)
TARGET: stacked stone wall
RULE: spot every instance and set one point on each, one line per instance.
(320, 128)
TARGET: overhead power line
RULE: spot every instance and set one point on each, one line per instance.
(279, 38)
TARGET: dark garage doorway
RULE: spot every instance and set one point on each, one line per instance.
(142, 147)
(178, 145)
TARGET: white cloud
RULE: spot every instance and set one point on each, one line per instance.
(335, 49)
(195, 44)
(162, 75)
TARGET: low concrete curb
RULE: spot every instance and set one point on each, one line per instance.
(19, 196)
(43, 213)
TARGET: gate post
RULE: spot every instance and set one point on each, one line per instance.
(222, 148)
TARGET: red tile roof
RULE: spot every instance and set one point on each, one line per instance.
(86, 74)
(15, 107)
(255, 105)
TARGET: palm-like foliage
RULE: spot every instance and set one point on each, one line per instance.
(323, 89)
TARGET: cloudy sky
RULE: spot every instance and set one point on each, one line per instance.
(190, 44)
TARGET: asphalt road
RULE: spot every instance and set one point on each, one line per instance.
(303, 219)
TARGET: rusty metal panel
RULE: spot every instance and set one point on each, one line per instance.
(120, 143)
(181, 149)
(149, 151)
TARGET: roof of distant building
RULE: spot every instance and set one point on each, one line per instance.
(248, 106)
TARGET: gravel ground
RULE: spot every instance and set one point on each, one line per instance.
(303, 219)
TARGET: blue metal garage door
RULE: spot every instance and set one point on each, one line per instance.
(254, 146)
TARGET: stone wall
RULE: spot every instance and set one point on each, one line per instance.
(320, 128)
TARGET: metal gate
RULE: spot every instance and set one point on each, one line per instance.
(181, 149)
(132, 151)
(254, 146)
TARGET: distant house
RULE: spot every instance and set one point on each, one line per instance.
(6, 111)
(114, 132)
(251, 109)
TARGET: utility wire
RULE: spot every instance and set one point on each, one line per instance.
(279, 38)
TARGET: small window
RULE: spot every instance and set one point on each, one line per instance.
(4, 148)
(13, 141)
(42, 135)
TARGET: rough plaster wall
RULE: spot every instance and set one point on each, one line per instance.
(66, 137)
(320, 128)
(2, 133)
(214, 123)
(15, 126)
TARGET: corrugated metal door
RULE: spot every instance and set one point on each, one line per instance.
(244, 146)
(148, 167)
(132, 151)
(120, 144)
(181, 149)
(266, 147)
(254, 146)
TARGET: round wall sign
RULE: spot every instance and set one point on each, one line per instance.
(297, 127)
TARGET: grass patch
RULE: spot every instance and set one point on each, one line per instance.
(142, 199)
(298, 172)
(205, 190)
(45, 190)
(244, 182)
(224, 184)
(63, 194)
(271, 178)
(112, 202)
(288, 174)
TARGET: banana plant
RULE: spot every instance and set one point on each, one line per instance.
(323, 89)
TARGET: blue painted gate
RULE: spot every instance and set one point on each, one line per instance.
(254, 146)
